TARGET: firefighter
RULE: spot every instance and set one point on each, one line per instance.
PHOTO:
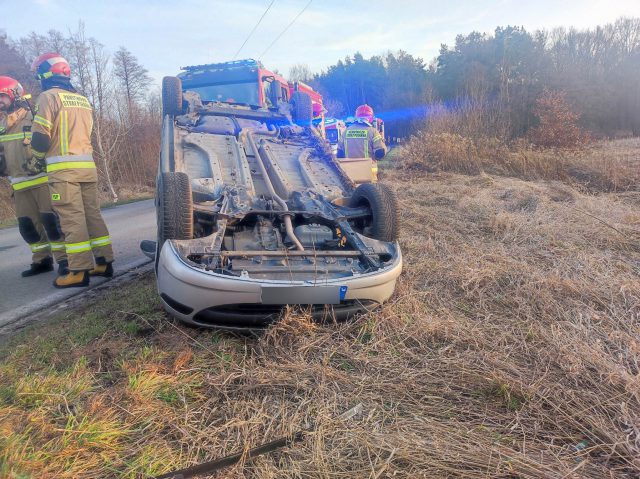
(318, 118)
(61, 145)
(361, 139)
(37, 223)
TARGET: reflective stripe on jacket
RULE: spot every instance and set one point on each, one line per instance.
(24, 182)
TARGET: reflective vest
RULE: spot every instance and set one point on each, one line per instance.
(360, 140)
(67, 119)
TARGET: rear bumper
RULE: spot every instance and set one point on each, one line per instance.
(208, 299)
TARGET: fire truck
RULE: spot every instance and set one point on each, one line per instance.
(243, 82)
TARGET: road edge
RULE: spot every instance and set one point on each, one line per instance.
(42, 310)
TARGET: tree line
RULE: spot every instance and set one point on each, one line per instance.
(499, 77)
(492, 85)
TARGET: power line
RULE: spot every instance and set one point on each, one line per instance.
(254, 29)
(286, 28)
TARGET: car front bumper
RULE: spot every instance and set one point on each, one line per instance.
(209, 299)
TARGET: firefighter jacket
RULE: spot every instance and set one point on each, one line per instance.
(361, 140)
(16, 143)
(65, 119)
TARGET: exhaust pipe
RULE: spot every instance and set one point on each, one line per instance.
(288, 224)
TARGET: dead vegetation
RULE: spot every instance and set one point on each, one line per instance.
(604, 166)
(510, 350)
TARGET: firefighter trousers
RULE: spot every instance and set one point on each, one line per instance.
(85, 233)
(38, 224)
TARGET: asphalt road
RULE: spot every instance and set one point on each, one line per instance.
(128, 225)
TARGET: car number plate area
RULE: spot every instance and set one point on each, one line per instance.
(303, 294)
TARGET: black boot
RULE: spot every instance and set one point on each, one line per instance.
(63, 267)
(43, 266)
(102, 268)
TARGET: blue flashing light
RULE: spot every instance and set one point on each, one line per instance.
(248, 63)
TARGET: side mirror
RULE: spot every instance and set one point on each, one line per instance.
(148, 248)
(275, 92)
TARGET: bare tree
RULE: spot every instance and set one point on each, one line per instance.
(132, 77)
(107, 133)
(300, 72)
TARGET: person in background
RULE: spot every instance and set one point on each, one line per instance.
(361, 139)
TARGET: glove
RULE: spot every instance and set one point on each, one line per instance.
(35, 166)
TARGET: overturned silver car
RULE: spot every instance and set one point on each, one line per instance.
(254, 211)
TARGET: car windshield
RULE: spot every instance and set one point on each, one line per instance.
(230, 93)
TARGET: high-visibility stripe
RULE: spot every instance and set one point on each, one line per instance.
(15, 136)
(72, 248)
(25, 182)
(65, 159)
(57, 246)
(64, 132)
(71, 164)
(366, 148)
(102, 241)
(35, 247)
(42, 122)
(19, 179)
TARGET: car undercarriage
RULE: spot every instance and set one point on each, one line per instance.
(250, 199)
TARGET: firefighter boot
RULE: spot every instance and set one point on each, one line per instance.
(102, 268)
(73, 279)
(43, 266)
(63, 267)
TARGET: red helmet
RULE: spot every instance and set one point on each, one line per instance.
(365, 112)
(11, 87)
(50, 64)
(317, 110)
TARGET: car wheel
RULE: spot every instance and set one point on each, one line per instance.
(384, 224)
(302, 108)
(175, 208)
(171, 96)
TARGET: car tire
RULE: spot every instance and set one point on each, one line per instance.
(171, 96)
(384, 224)
(175, 208)
(302, 108)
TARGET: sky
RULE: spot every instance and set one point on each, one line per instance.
(166, 35)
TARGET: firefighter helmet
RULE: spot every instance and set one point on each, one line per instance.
(318, 110)
(11, 87)
(50, 64)
(365, 112)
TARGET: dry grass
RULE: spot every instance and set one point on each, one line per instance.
(7, 211)
(603, 166)
(510, 350)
